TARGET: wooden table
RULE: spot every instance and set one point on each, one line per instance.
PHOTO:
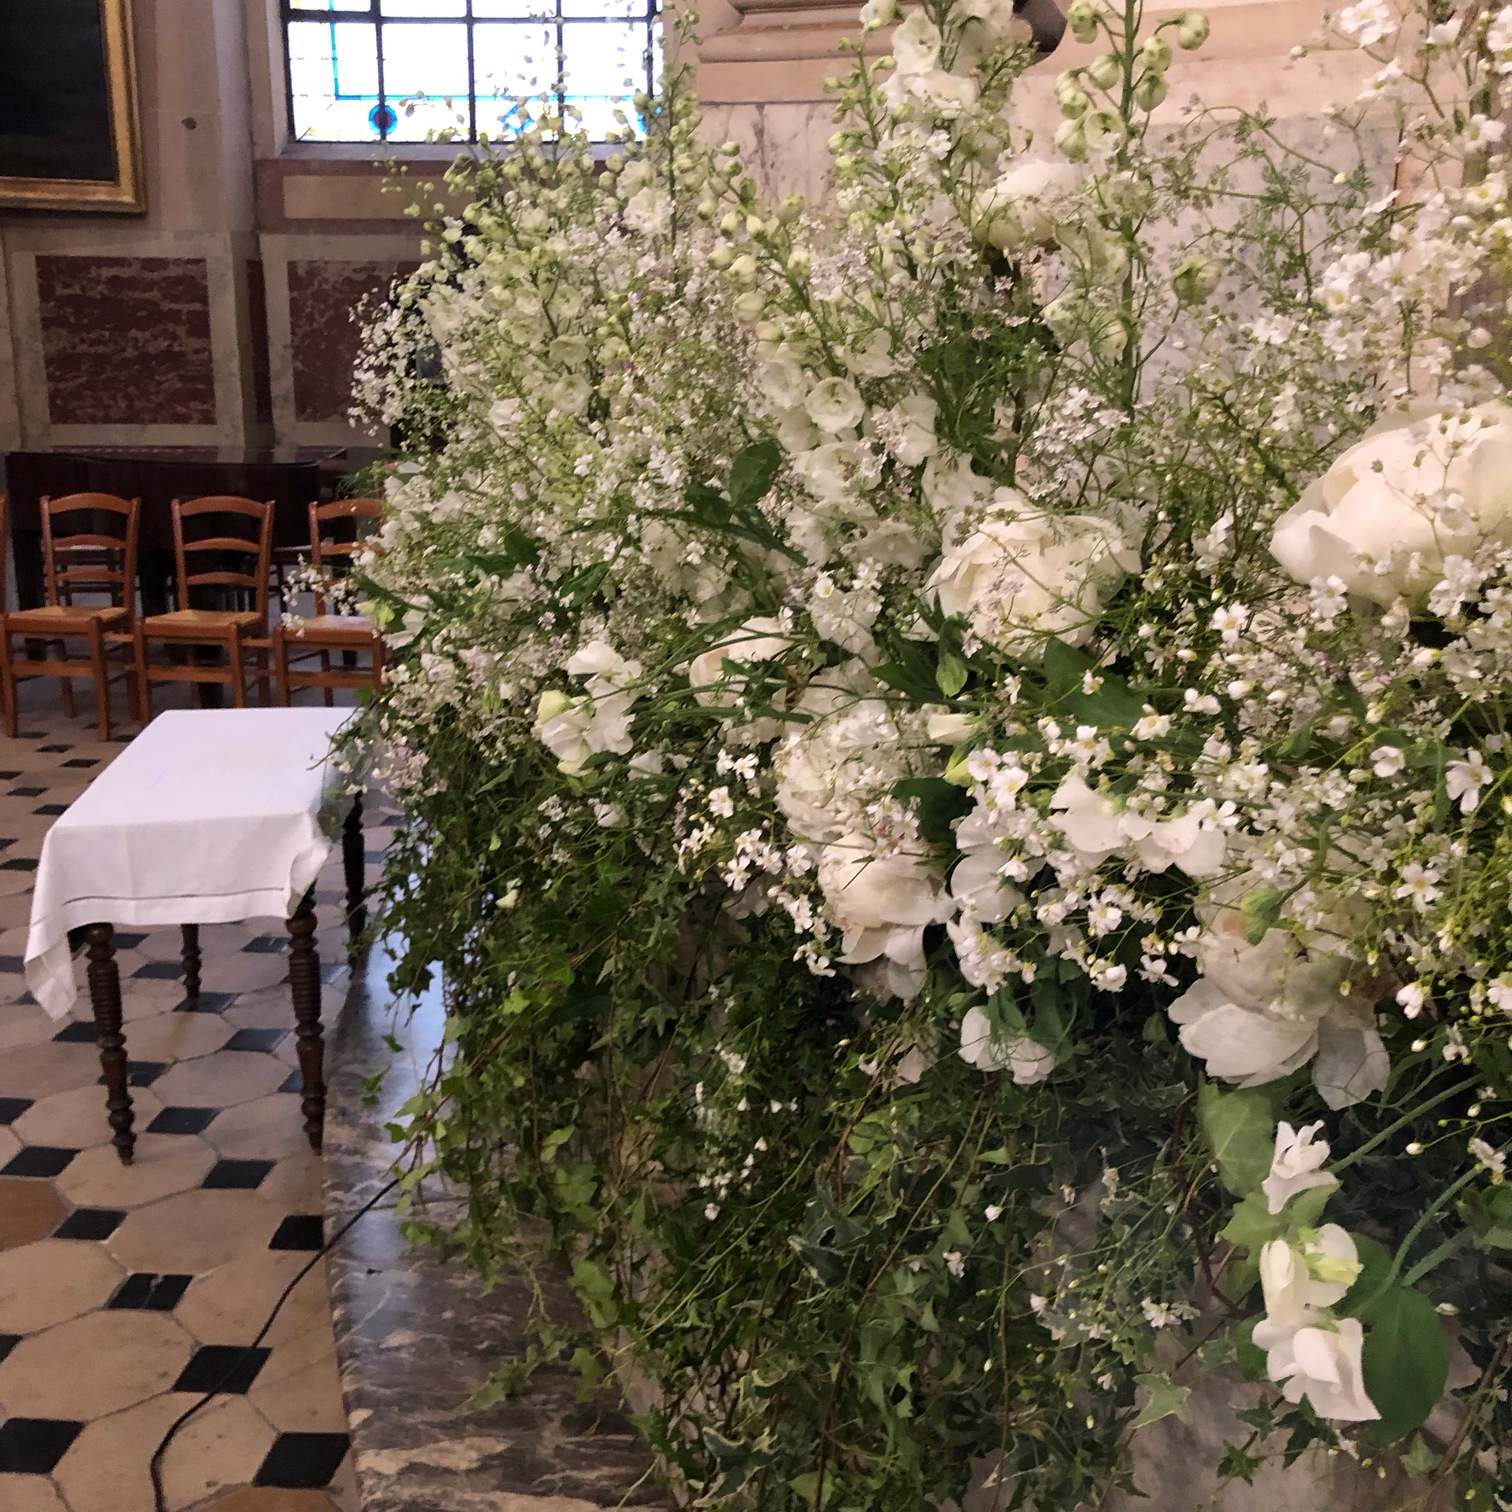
(209, 816)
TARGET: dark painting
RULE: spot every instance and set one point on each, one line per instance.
(55, 109)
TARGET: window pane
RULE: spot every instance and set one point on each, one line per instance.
(425, 78)
(516, 10)
(515, 66)
(603, 64)
(321, 5)
(615, 10)
(333, 74)
(423, 7)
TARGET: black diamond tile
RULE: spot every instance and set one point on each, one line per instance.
(256, 1039)
(11, 1108)
(140, 1073)
(331, 970)
(146, 1291)
(266, 945)
(76, 1033)
(302, 1460)
(38, 1160)
(52, 810)
(159, 971)
(26, 792)
(19, 863)
(12, 963)
(125, 939)
(55, 750)
(8, 776)
(299, 1231)
(7, 1343)
(32, 1446)
(293, 1082)
(90, 1223)
(237, 1175)
(83, 761)
(182, 1121)
(232, 1368)
(207, 1002)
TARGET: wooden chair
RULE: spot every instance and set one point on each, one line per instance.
(7, 689)
(326, 633)
(79, 562)
(235, 631)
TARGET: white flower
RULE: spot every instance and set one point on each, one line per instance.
(1294, 1166)
(1494, 1160)
(758, 640)
(561, 725)
(954, 1261)
(1465, 779)
(1389, 511)
(1387, 761)
(1020, 206)
(835, 404)
(1368, 22)
(1323, 1364)
(916, 44)
(574, 729)
(1023, 576)
(1097, 827)
(1026, 1059)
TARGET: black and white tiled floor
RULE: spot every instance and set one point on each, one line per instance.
(125, 1293)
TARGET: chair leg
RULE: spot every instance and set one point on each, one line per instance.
(143, 681)
(325, 672)
(237, 669)
(265, 676)
(101, 679)
(281, 666)
(60, 649)
(7, 686)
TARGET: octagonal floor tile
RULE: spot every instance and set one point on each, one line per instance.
(92, 1366)
(40, 1070)
(194, 1232)
(164, 1164)
(29, 1210)
(77, 1119)
(221, 1447)
(220, 1081)
(51, 1281)
(177, 1036)
(29, 1493)
(105, 1469)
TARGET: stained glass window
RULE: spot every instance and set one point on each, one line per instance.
(401, 70)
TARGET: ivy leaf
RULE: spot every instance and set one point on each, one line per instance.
(1488, 1216)
(1249, 1354)
(1240, 1128)
(1167, 1399)
(1238, 1464)
(752, 471)
(1405, 1360)
(950, 675)
(1254, 1225)
(1420, 1459)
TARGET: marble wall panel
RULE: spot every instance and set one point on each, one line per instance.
(325, 298)
(261, 363)
(126, 340)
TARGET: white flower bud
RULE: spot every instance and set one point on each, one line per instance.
(1072, 140)
(730, 224)
(1195, 280)
(1156, 54)
(1075, 103)
(744, 268)
(1082, 20)
(1150, 91)
(1104, 71)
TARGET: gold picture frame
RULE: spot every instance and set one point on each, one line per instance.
(70, 135)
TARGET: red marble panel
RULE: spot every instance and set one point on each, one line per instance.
(324, 301)
(257, 319)
(126, 340)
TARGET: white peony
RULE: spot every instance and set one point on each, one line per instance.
(1025, 1058)
(1294, 1166)
(1019, 207)
(835, 405)
(1023, 576)
(1388, 512)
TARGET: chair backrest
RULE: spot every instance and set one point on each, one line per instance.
(332, 558)
(80, 555)
(254, 547)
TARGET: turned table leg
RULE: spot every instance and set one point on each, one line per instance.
(105, 998)
(304, 979)
(192, 961)
(352, 861)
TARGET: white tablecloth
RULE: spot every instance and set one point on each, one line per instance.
(208, 816)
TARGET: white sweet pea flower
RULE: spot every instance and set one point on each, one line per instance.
(561, 725)
(1294, 1166)
(916, 44)
(1097, 827)
(1024, 1058)
(758, 640)
(574, 729)
(1324, 1365)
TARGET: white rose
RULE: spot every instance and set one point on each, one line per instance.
(835, 405)
(827, 470)
(758, 640)
(1389, 511)
(1026, 1059)
(1023, 576)
(781, 381)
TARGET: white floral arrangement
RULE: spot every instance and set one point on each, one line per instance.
(830, 638)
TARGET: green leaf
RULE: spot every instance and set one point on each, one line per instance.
(1488, 1216)
(1166, 1399)
(1406, 1360)
(1419, 1459)
(1249, 1354)
(938, 804)
(1240, 1129)
(752, 471)
(950, 675)
(1064, 668)
(1254, 1225)
(554, 1142)
(1238, 1464)
(1261, 910)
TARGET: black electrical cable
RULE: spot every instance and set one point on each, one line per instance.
(159, 1495)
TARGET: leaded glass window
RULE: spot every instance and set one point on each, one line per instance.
(400, 70)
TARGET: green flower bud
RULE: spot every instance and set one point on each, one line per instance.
(1156, 54)
(1075, 103)
(790, 209)
(1150, 91)
(730, 224)
(1192, 31)
(1195, 280)
(707, 210)
(1082, 19)
(721, 257)
(1072, 140)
